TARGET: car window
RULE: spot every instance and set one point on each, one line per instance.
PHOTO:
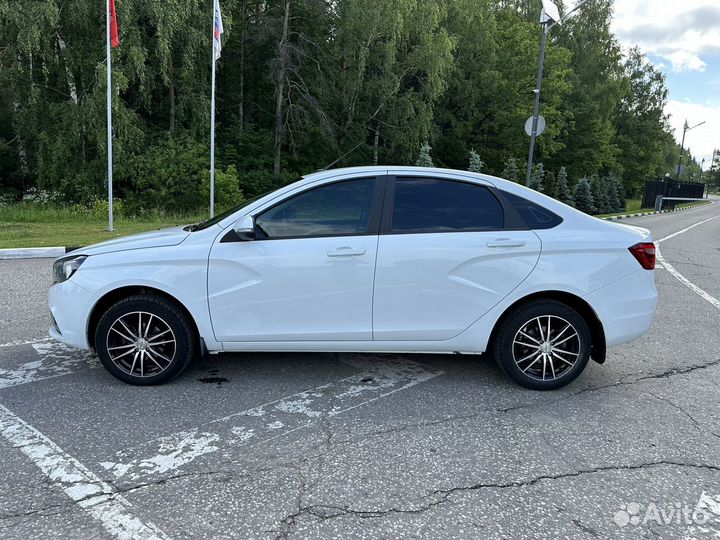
(340, 208)
(429, 205)
(534, 215)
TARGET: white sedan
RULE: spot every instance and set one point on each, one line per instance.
(371, 259)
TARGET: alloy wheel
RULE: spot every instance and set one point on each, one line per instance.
(141, 344)
(546, 347)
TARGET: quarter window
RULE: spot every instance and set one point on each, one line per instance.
(534, 215)
(341, 208)
(433, 205)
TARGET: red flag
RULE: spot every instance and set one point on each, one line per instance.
(114, 39)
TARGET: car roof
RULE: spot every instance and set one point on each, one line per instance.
(484, 179)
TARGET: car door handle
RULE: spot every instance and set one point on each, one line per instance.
(505, 242)
(346, 251)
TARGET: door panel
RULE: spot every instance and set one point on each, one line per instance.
(302, 289)
(433, 286)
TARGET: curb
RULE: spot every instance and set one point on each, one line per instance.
(640, 214)
(34, 253)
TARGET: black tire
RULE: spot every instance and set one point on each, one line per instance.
(568, 349)
(127, 355)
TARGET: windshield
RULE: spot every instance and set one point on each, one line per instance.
(218, 218)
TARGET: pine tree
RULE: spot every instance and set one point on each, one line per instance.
(583, 197)
(424, 159)
(620, 189)
(562, 188)
(537, 178)
(599, 196)
(476, 164)
(511, 171)
(611, 194)
(550, 185)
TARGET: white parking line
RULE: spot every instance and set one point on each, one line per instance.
(55, 360)
(80, 484)
(379, 378)
(682, 279)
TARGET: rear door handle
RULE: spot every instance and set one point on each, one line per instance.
(505, 242)
(346, 251)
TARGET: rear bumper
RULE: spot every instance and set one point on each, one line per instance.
(70, 307)
(626, 308)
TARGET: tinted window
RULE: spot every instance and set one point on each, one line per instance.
(534, 215)
(329, 210)
(442, 205)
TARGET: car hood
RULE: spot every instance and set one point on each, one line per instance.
(171, 236)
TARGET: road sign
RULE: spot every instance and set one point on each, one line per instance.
(540, 125)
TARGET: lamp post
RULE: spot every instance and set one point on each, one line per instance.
(682, 144)
(549, 17)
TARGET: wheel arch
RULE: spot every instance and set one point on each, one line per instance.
(597, 332)
(115, 295)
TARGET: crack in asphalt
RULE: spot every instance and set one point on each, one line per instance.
(322, 512)
(622, 382)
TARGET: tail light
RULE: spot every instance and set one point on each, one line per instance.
(644, 252)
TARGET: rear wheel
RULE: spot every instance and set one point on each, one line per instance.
(543, 345)
(145, 340)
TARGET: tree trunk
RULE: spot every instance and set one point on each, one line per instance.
(171, 96)
(376, 143)
(241, 109)
(280, 90)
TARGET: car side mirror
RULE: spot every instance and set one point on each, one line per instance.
(245, 228)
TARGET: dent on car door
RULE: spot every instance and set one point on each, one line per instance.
(307, 276)
(444, 259)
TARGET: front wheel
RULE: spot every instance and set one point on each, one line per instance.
(543, 345)
(145, 340)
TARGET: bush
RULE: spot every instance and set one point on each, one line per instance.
(168, 176)
(227, 190)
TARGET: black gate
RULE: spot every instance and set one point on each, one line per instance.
(670, 188)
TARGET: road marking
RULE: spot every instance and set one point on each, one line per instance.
(378, 379)
(685, 281)
(19, 342)
(682, 279)
(87, 490)
(55, 360)
(686, 229)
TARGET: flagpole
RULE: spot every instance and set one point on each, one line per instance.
(212, 133)
(212, 118)
(109, 118)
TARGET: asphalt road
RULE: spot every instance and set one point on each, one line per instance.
(371, 446)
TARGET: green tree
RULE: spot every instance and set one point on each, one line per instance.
(550, 185)
(537, 178)
(511, 171)
(476, 164)
(424, 159)
(583, 198)
(612, 197)
(563, 189)
(599, 194)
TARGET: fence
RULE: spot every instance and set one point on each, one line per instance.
(669, 188)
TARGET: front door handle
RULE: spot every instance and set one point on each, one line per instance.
(346, 251)
(505, 242)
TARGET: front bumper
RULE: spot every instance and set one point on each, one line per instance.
(70, 307)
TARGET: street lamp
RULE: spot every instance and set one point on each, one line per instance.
(549, 17)
(682, 144)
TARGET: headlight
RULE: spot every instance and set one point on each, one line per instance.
(63, 269)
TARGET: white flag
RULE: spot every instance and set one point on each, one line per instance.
(217, 31)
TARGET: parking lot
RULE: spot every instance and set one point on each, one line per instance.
(371, 446)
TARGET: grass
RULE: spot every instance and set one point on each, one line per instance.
(633, 207)
(24, 225)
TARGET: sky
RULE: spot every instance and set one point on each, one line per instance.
(682, 39)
